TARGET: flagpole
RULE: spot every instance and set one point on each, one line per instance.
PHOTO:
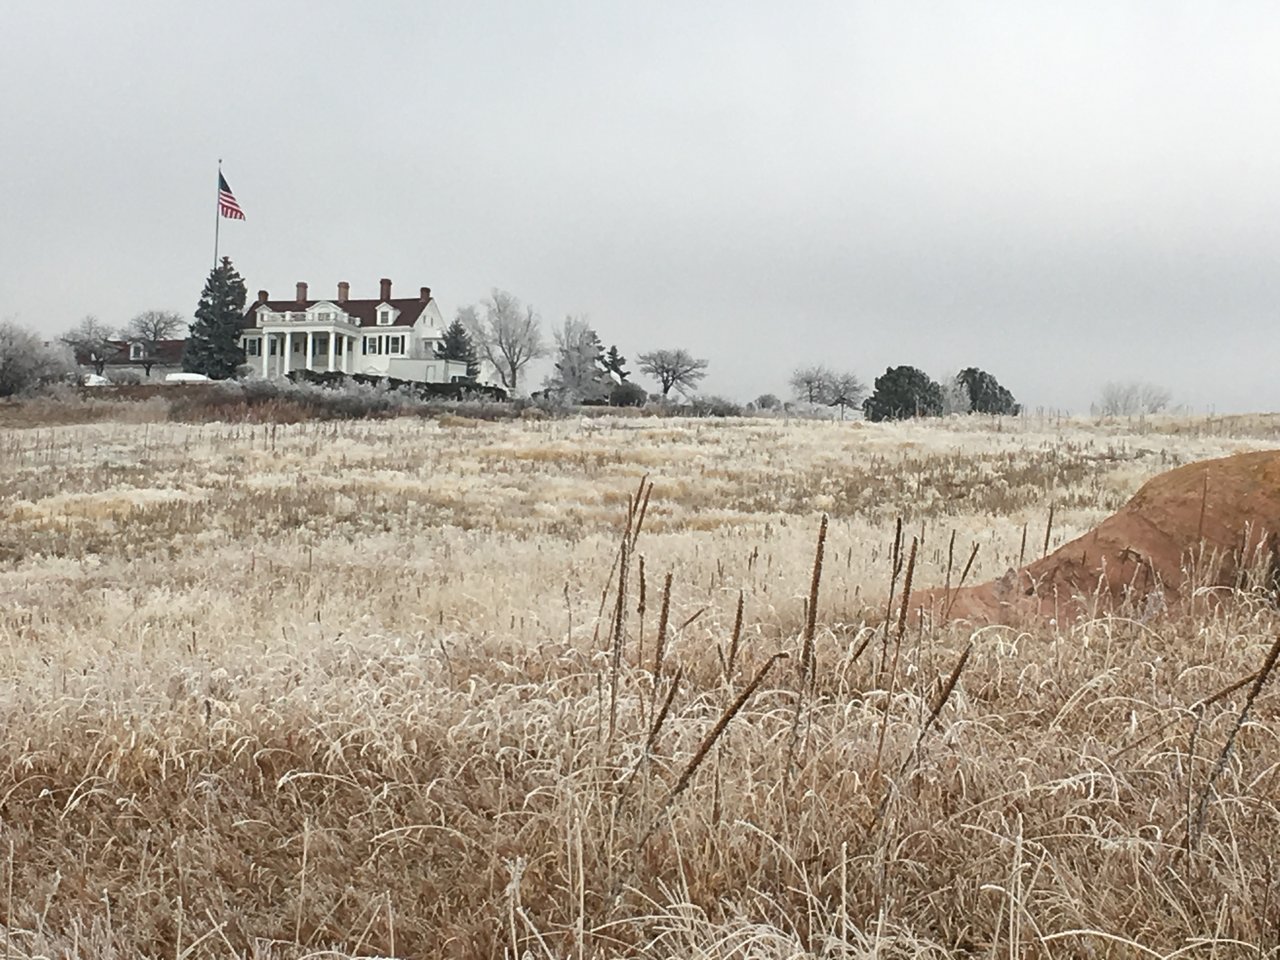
(217, 217)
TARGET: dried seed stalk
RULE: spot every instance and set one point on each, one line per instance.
(1259, 682)
(806, 674)
(964, 574)
(736, 639)
(897, 651)
(709, 741)
(947, 689)
(619, 637)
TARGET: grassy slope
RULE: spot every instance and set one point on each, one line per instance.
(272, 689)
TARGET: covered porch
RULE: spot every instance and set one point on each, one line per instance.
(280, 352)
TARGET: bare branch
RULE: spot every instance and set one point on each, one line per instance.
(673, 369)
(152, 326)
(507, 337)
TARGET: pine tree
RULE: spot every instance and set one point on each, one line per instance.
(579, 375)
(903, 392)
(457, 345)
(213, 346)
(986, 395)
(614, 362)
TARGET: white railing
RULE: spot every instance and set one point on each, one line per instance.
(301, 316)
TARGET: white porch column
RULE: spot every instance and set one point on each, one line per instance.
(288, 353)
(311, 349)
(266, 352)
(333, 343)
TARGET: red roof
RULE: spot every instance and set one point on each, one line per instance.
(169, 351)
(166, 352)
(364, 312)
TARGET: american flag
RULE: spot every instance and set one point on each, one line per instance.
(227, 204)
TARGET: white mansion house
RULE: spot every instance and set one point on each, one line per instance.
(386, 336)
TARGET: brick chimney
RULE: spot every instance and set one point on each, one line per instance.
(344, 292)
(262, 296)
(425, 294)
(386, 289)
(302, 292)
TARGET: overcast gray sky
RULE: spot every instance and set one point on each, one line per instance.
(1061, 193)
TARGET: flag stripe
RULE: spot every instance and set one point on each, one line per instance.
(227, 204)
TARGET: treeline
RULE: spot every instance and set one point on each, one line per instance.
(27, 362)
(903, 392)
(507, 335)
(502, 335)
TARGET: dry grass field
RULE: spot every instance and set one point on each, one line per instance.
(366, 689)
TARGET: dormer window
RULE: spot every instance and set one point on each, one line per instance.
(384, 317)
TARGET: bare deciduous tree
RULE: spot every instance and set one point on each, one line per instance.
(673, 368)
(844, 390)
(149, 328)
(811, 384)
(26, 362)
(507, 336)
(1132, 399)
(92, 339)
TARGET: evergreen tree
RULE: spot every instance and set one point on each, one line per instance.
(986, 395)
(458, 345)
(213, 345)
(579, 375)
(614, 362)
(903, 392)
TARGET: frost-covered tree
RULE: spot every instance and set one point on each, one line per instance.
(93, 341)
(580, 375)
(677, 369)
(767, 401)
(844, 390)
(811, 384)
(955, 397)
(508, 335)
(1132, 399)
(26, 362)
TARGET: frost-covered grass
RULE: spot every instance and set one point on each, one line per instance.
(278, 689)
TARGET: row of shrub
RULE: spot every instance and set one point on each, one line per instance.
(349, 398)
(464, 390)
(325, 397)
(310, 395)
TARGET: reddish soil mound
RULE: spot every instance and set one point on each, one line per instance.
(1199, 525)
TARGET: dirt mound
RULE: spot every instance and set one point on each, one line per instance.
(1204, 524)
